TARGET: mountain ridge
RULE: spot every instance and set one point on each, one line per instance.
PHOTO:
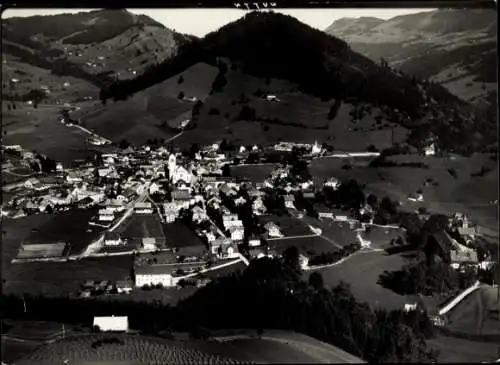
(453, 47)
(76, 41)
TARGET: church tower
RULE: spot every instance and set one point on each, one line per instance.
(172, 165)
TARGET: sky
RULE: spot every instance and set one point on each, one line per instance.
(199, 22)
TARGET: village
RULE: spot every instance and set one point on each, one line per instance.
(182, 214)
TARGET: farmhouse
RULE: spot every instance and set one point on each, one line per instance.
(149, 244)
(143, 208)
(111, 324)
(112, 239)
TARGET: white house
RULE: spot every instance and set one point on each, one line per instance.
(153, 275)
(333, 183)
(143, 208)
(106, 215)
(199, 214)
(258, 206)
(73, 177)
(430, 150)
(123, 287)
(254, 242)
(303, 262)
(114, 324)
(171, 212)
(289, 201)
(316, 148)
(210, 237)
(270, 97)
(237, 233)
(273, 230)
(149, 244)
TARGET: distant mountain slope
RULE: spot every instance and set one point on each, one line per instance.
(455, 47)
(97, 45)
(268, 46)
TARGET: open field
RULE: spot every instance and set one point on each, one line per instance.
(179, 235)
(476, 315)
(166, 296)
(15, 231)
(289, 226)
(38, 130)
(254, 173)
(70, 227)
(139, 226)
(56, 278)
(339, 232)
(307, 245)
(452, 350)
(132, 349)
(361, 271)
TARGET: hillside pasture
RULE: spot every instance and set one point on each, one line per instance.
(38, 130)
(130, 349)
(361, 271)
(457, 350)
(476, 315)
(145, 115)
(32, 78)
(445, 193)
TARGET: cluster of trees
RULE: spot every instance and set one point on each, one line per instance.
(220, 80)
(429, 276)
(348, 195)
(274, 203)
(269, 294)
(431, 273)
(331, 257)
(46, 164)
(34, 95)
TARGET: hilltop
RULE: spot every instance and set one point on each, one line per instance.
(97, 46)
(270, 46)
(454, 47)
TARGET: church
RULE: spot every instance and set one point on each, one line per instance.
(178, 173)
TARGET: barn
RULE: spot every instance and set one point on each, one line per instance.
(111, 324)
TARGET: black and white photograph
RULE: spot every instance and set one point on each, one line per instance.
(250, 184)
